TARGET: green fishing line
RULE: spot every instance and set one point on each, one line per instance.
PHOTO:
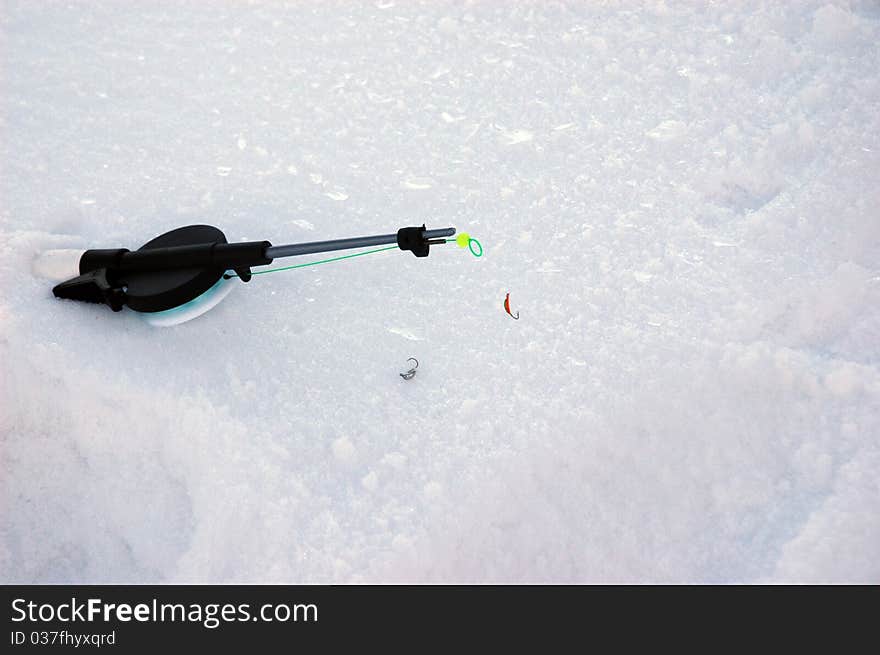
(321, 261)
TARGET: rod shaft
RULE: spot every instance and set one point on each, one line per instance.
(292, 249)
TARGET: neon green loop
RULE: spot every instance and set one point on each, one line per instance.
(471, 243)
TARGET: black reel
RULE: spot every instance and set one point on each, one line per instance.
(166, 272)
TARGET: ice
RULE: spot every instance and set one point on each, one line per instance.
(57, 265)
(417, 183)
(513, 137)
(833, 24)
(681, 200)
(370, 481)
(668, 130)
(344, 450)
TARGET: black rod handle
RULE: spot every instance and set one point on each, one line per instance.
(201, 255)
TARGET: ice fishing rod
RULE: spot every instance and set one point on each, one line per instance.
(181, 266)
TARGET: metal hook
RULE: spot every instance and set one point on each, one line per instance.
(411, 373)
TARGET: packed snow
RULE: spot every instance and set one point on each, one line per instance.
(681, 198)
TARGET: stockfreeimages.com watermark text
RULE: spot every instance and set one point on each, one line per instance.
(209, 615)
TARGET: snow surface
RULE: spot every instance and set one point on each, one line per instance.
(681, 198)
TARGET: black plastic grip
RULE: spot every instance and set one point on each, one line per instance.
(413, 239)
(203, 255)
(92, 260)
(92, 286)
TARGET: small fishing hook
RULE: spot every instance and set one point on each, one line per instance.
(411, 373)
